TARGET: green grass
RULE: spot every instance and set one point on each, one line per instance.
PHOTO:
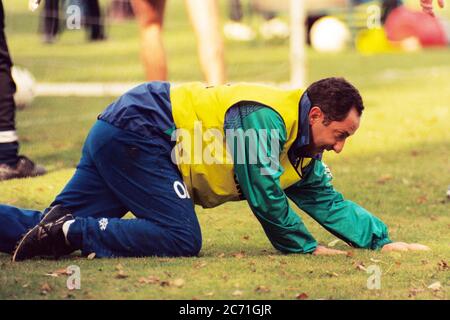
(397, 166)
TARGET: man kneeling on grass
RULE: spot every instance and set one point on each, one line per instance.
(158, 150)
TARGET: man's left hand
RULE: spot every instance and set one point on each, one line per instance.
(403, 246)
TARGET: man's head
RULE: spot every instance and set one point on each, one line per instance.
(336, 108)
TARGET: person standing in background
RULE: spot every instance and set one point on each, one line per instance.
(204, 16)
(93, 20)
(12, 165)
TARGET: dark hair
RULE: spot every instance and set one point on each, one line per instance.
(335, 97)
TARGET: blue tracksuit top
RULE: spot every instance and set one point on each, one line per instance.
(142, 109)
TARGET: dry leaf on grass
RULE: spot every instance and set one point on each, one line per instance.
(143, 280)
(384, 178)
(262, 289)
(121, 275)
(149, 280)
(442, 265)
(414, 291)
(91, 256)
(59, 272)
(178, 283)
(119, 267)
(239, 255)
(360, 266)
(301, 296)
(435, 286)
(45, 288)
(332, 274)
(422, 199)
(200, 265)
(237, 293)
(164, 283)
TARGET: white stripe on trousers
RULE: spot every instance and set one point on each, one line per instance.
(8, 136)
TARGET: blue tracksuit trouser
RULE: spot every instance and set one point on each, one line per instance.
(120, 171)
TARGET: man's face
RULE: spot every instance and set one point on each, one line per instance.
(331, 136)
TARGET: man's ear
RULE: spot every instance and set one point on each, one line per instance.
(315, 115)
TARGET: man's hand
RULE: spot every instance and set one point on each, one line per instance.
(427, 6)
(403, 246)
(324, 251)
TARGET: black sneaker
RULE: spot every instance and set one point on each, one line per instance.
(23, 169)
(46, 238)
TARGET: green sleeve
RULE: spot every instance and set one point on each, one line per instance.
(259, 182)
(315, 195)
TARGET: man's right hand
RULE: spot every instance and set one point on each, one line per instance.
(324, 251)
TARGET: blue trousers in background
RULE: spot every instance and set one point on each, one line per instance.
(120, 171)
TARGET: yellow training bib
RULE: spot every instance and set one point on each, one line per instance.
(202, 155)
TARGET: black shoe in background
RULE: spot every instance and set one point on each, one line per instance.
(24, 168)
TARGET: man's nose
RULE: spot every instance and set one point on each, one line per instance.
(338, 146)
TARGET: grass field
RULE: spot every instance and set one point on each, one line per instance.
(397, 166)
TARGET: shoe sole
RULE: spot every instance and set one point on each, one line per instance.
(19, 245)
(43, 221)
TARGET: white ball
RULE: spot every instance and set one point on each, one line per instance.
(25, 87)
(329, 34)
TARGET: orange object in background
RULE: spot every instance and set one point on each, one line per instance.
(403, 23)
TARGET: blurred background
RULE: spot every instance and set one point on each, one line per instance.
(256, 48)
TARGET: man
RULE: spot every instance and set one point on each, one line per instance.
(12, 165)
(158, 149)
